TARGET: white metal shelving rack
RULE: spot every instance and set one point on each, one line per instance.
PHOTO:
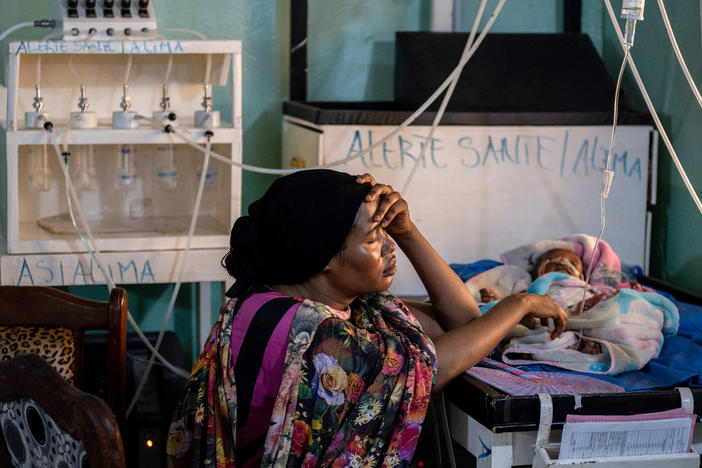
(138, 248)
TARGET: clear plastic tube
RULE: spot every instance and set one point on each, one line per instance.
(211, 174)
(678, 54)
(168, 69)
(128, 69)
(652, 110)
(38, 178)
(607, 182)
(166, 169)
(91, 247)
(125, 168)
(264, 170)
(447, 96)
(180, 269)
(83, 171)
(38, 78)
(393, 133)
(11, 29)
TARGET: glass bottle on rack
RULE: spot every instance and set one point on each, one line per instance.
(38, 168)
(125, 175)
(83, 169)
(166, 170)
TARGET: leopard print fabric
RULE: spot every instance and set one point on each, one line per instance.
(55, 345)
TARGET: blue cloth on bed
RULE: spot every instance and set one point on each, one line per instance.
(466, 271)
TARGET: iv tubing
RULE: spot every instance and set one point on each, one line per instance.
(180, 269)
(608, 174)
(447, 97)
(168, 69)
(38, 80)
(678, 54)
(616, 110)
(95, 254)
(340, 162)
(208, 67)
(128, 70)
(89, 36)
(652, 110)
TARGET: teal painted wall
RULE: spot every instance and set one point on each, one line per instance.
(352, 46)
(525, 16)
(351, 57)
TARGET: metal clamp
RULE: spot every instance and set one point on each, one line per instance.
(545, 420)
(687, 401)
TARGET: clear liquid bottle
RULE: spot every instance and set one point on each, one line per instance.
(83, 169)
(38, 168)
(125, 174)
(166, 170)
(211, 175)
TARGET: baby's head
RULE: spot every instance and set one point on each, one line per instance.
(560, 260)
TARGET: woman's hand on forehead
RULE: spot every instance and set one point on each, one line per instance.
(392, 213)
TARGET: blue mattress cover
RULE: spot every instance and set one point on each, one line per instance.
(680, 360)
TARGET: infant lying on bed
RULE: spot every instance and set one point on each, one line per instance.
(620, 328)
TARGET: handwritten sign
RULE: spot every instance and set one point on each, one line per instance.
(563, 153)
(98, 47)
(122, 267)
(480, 191)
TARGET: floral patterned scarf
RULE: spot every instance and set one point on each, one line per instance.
(354, 392)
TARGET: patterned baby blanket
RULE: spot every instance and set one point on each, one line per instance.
(619, 330)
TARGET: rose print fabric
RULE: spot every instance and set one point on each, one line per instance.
(353, 392)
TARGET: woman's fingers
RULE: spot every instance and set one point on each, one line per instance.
(390, 205)
(378, 191)
(529, 322)
(544, 308)
(366, 179)
(559, 323)
(560, 318)
(392, 212)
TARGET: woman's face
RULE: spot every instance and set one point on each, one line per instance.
(366, 263)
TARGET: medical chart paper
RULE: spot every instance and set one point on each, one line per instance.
(622, 439)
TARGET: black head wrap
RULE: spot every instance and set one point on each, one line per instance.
(294, 230)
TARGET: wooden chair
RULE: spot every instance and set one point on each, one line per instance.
(45, 421)
(41, 306)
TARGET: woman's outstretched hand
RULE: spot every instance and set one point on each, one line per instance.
(393, 211)
(540, 308)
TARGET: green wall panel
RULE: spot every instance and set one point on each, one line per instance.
(676, 243)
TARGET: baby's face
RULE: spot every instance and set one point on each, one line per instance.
(560, 260)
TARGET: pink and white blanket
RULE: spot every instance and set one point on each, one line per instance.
(619, 330)
(622, 325)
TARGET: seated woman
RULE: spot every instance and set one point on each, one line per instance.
(313, 362)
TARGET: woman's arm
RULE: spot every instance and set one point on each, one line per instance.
(463, 347)
(452, 304)
(469, 335)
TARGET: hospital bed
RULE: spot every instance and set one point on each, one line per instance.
(500, 430)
